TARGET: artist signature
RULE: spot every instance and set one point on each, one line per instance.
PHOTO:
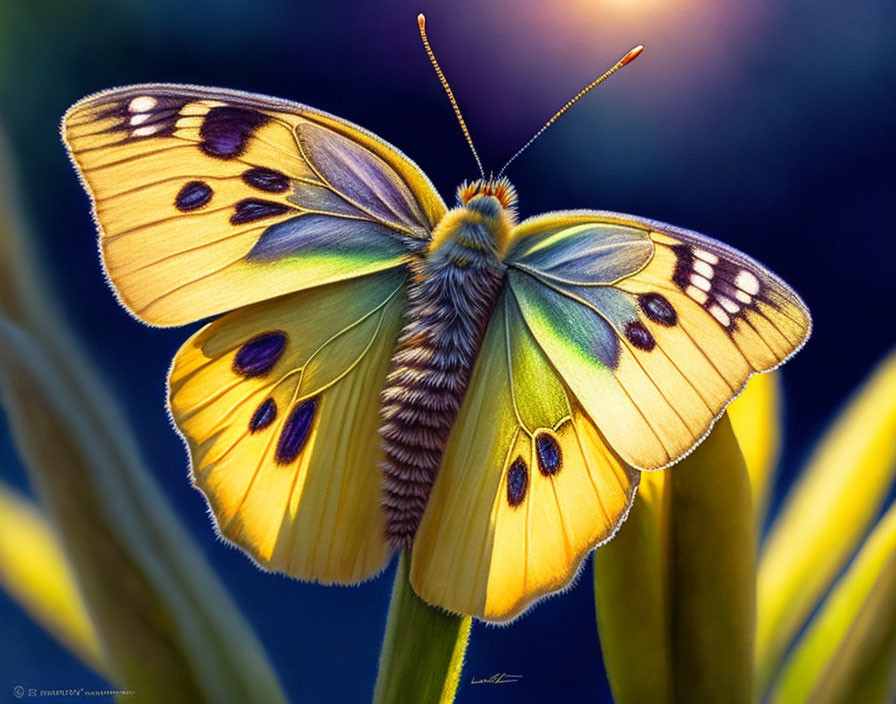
(500, 678)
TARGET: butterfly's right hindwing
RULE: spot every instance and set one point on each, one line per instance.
(526, 489)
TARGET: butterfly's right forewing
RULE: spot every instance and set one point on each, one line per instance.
(654, 347)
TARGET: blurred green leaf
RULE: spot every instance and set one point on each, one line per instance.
(423, 651)
(675, 590)
(167, 628)
(632, 569)
(35, 572)
(826, 515)
(848, 653)
(756, 418)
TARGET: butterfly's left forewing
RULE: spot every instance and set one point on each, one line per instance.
(209, 199)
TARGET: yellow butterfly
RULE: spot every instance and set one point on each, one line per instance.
(389, 373)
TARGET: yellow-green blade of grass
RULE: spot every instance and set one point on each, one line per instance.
(164, 620)
(630, 575)
(755, 416)
(826, 515)
(675, 590)
(35, 572)
(423, 651)
(167, 628)
(848, 653)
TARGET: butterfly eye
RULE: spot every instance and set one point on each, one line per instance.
(547, 451)
(517, 482)
(259, 355)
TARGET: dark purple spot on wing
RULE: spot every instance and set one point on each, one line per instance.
(252, 209)
(259, 355)
(264, 415)
(658, 309)
(548, 454)
(266, 180)
(225, 131)
(193, 196)
(295, 432)
(517, 482)
(684, 265)
(639, 336)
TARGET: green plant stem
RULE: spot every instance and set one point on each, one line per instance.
(423, 650)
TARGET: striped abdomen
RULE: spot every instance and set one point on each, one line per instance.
(451, 298)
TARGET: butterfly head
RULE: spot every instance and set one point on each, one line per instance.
(500, 189)
(485, 213)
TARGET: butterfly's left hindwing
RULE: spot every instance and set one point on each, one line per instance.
(209, 200)
(654, 329)
(279, 405)
(526, 489)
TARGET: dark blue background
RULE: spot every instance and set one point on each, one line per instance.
(766, 124)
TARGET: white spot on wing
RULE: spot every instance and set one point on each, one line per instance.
(728, 304)
(697, 294)
(744, 298)
(140, 118)
(145, 131)
(701, 282)
(746, 281)
(720, 315)
(144, 103)
(708, 257)
(704, 269)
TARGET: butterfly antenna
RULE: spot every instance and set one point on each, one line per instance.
(628, 58)
(421, 21)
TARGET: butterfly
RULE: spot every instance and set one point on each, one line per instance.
(389, 373)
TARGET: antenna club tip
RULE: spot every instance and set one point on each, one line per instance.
(421, 21)
(632, 55)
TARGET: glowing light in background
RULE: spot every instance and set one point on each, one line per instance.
(690, 41)
(530, 57)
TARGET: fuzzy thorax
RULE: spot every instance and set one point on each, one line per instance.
(483, 220)
(451, 298)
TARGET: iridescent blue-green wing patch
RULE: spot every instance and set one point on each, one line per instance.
(653, 328)
(209, 200)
